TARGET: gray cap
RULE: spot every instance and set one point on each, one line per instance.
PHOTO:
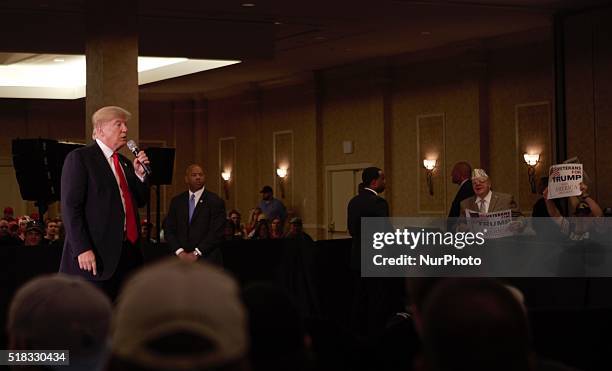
(174, 297)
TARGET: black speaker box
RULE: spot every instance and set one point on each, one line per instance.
(38, 166)
(162, 165)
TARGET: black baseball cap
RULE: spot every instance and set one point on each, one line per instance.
(266, 189)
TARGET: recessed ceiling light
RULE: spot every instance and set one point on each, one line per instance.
(425, 33)
(67, 80)
(248, 5)
(278, 23)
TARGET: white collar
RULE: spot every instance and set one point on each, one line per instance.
(462, 183)
(371, 190)
(487, 198)
(105, 149)
(197, 193)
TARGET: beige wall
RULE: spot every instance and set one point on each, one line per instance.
(497, 93)
(446, 88)
(520, 87)
(588, 98)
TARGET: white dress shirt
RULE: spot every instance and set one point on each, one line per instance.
(487, 202)
(108, 154)
(371, 190)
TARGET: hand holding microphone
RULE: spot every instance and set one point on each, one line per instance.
(141, 158)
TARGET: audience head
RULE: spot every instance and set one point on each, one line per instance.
(13, 228)
(474, 324)
(255, 213)
(163, 322)
(23, 223)
(195, 178)
(9, 213)
(4, 228)
(276, 329)
(33, 234)
(234, 217)
(145, 229)
(461, 171)
(52, 231)
(295, 226)
(373, 178)
(276, 226)
(61, 312)
(481, 183)
(583, 210)
(110, 126)
(266, 193)
(262, 229)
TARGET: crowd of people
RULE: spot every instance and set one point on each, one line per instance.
(112, 313)
(27, 230)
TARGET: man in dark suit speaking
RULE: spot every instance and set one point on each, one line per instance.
(101, 193)
(195, 221)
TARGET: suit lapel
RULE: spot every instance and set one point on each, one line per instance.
(199, 206)
(183, 209)
(494, 199)
(104, 167)
(473, 206)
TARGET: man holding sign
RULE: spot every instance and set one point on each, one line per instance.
(485, 200)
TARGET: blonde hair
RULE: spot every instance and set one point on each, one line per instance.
(108, 113)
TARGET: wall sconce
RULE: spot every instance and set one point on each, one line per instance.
(532, 161)
(281, 172)
(226, 175)
(429, 166)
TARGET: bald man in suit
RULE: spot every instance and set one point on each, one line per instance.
(195, 221)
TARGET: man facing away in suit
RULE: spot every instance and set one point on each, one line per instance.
(374, 299)
(101, 193)
(195, 221)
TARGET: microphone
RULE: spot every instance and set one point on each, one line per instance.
(133, 147)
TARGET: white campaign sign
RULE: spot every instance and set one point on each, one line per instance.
(564, 180)
(493, 225)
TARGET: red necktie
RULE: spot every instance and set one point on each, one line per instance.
(130, 215)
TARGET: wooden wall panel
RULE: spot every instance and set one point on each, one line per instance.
(283, 158)
(431, 146)
(227, 162)
(533, 135)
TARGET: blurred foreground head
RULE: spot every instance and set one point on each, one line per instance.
(179, 316)
(62, 312)
(475, 324)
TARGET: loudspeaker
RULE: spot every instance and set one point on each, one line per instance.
(162, 165)
(38, 165)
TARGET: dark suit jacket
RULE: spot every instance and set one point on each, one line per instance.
(465, 191)
(207, 223)
(92, 210)
(365, 204)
